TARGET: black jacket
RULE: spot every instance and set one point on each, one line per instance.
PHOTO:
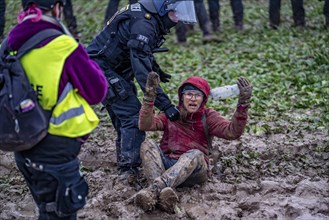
(125, 46)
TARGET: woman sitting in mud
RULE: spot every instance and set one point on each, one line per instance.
(182, 157)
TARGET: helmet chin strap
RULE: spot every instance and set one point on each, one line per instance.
(51, 20)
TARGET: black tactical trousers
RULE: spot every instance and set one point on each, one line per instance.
(326, 12)
(52, 173)
(214, 12)
(297, 10)
(2, 17)
(124, 113)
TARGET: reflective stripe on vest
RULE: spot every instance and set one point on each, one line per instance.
(71, 112)
(67, 115)
(72, 115)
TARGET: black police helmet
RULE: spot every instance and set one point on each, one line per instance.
(43, 4)
(148, 5)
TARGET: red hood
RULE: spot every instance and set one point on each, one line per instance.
(198, 82)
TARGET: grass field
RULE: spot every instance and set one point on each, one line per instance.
(288, 67)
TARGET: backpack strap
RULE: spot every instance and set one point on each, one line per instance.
(4, 46)
(215, 154)
(31, 42)
(205, 127)
(36, 40)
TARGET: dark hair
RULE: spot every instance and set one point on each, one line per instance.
(42, 4)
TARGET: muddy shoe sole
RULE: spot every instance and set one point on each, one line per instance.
(146, 200)
(168, 200)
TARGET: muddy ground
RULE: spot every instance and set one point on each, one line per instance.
(281, 173)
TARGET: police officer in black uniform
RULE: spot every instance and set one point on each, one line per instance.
(124, 50)
(297, 9)
(298, 13)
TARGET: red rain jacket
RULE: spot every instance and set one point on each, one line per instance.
(183, 135)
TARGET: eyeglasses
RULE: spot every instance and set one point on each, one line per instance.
(197, 95)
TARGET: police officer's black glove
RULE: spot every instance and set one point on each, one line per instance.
(164, 77)
(172, 113)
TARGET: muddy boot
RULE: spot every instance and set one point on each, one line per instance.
(239, 26)
(168, 200)
(151, 160)
(274, 25)
(147, 198)
(210, 38)
(128, 177)
(299, 23)
(215, 25)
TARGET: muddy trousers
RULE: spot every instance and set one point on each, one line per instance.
(59, 190)
(188, 170)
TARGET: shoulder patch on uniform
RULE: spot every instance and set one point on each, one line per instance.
(142, 38)
(147, 16)
(135, 7)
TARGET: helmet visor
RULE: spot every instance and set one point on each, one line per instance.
(184, 10)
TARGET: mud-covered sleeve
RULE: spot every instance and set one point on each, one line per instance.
(148, 121)
(228, 129)
(86, 76)
(141, 44)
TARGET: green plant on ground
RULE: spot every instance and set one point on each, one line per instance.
(288, 67)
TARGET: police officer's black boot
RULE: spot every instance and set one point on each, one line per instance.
(299, 23)
(238, 26)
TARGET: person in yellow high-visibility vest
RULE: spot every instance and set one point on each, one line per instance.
(67, 83)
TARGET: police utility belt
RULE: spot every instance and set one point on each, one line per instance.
(115, 88)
